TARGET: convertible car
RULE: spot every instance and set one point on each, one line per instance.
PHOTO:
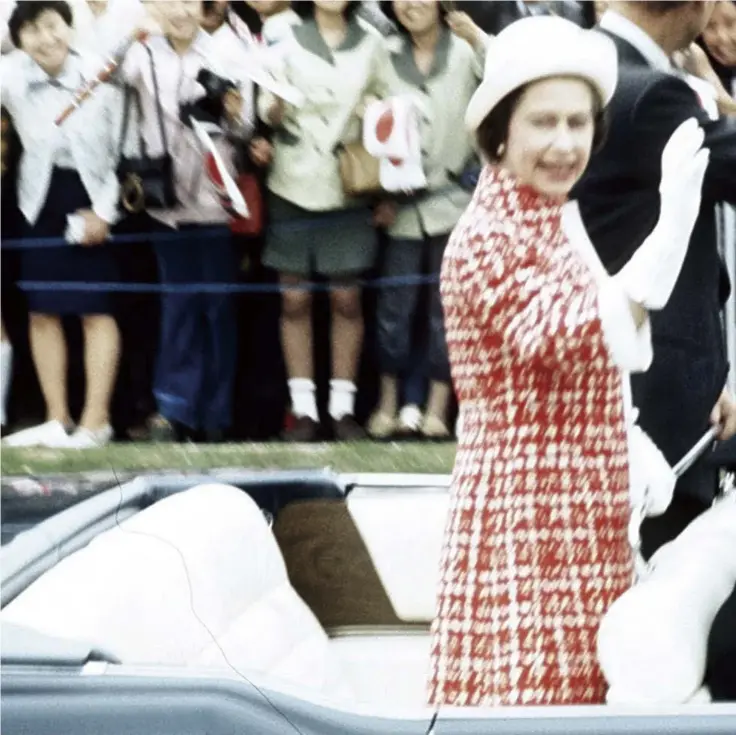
(242, 602)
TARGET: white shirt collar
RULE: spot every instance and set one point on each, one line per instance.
(278, 26)
(70, 78)
(202, 45)
(624, 28)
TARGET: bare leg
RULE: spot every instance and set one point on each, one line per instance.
(101, 358)
(347, 332)
(296, 329)
(48, 347)
(438, 404)
(388, 402)
(6, 371)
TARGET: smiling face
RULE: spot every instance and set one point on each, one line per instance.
(417, 16)
(180, 19)
(46, 40)
(720, 33)
(550, 135)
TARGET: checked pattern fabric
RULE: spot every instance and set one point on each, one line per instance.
(535, 547)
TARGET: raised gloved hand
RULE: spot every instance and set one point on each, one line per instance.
(650, 276)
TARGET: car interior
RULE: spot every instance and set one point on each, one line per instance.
(204, 578)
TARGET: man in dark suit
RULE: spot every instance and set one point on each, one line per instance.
(684, 389)
(494, 15)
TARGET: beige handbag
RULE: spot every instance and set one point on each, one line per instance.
(359, 170)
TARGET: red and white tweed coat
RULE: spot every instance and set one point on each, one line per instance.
(536, 545)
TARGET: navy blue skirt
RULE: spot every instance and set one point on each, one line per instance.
(66, 263)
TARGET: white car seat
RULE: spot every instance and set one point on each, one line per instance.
(196, 579)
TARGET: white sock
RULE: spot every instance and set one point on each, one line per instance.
(6, 372)
(303, 399)
(342, 399)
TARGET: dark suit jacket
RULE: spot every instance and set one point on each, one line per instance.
(619, 203)
(494, 15)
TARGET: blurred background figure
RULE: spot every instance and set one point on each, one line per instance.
(214, 15)
(600, 7)
(196, 368)
(62, 178)
(440, 61)
(719, 40)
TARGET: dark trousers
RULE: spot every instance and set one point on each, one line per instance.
(660, 530)
(397, 305)
(415, 387)
(195, 371)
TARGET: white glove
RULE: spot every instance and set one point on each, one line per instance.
(652, 479)
(650, 276)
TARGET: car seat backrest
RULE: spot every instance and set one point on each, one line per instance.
(195, 579)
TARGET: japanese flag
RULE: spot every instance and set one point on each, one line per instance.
(231, 199)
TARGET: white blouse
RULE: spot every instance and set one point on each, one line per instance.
(88, 141)
(176, 77)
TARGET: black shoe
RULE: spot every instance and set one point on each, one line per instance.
(215, 436)
(161, 430)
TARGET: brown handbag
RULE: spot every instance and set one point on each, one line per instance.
(360, 172)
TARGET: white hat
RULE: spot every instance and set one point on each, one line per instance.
(539, 47)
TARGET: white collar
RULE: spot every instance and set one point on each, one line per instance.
(70, 78)
(275, 27)
(624, 28)
(202, 45)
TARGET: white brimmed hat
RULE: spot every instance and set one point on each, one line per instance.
(540, 47)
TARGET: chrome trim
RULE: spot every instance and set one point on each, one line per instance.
(378, 631)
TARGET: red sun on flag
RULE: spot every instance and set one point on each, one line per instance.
(213, 172)
(385, 126)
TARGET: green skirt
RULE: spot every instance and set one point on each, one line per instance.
(335, 243)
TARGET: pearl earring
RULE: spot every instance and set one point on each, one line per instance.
(501, 150)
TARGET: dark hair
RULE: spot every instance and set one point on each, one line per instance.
(305, 8)
(387, 8)
(27, 11)
(494, 129)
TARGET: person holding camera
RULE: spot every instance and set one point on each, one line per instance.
(175, 76)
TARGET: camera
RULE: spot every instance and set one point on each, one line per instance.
(209, 108)
(215, 86)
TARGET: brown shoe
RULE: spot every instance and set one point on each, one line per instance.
(347, 429)
(160, 429)
(301, 429)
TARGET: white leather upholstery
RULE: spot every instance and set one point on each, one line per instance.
(403, 532)
(205, 557)
(389, 670)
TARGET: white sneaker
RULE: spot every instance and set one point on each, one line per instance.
(52, 434)
(410, 419)
(88, 439)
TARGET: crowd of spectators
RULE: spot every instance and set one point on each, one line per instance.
(310, 344)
